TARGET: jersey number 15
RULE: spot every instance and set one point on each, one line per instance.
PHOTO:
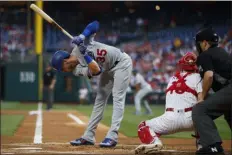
(101, 55)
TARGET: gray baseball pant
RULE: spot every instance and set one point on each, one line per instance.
(116, 81)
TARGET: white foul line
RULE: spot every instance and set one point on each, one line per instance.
(75, 118)
(38, 128)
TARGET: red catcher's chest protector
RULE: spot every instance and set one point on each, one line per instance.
(180, 86)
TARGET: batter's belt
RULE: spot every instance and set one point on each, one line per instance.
(180, 110)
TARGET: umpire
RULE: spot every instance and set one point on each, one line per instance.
(49, 80)
(215, 67)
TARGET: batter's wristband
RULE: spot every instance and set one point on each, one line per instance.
(88, 59)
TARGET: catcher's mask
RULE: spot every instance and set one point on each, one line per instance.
(207, 34)
(188, 62)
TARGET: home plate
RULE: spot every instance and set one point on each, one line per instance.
(27, 148)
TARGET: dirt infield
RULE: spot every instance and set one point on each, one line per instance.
(60, 127)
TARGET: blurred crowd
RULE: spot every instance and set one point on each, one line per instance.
(16, 43)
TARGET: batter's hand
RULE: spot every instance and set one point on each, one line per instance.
(77, 40)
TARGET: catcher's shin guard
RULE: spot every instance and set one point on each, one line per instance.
(145, 134)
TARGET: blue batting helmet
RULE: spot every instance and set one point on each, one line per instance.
(57, 59)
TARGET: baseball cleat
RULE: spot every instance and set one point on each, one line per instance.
(80, 141)
(212, 149)
(198, 144)
(107, 142)
(149, 148)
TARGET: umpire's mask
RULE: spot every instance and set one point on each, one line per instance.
(207, 34)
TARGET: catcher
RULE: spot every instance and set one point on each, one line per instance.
(183, 92)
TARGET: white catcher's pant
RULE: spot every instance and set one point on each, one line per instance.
(171, 122)
(139, 96)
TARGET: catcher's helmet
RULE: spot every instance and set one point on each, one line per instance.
(207, 34)
(188, 62)
(57, 59)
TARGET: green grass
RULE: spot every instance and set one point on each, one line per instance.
(18, 106)
(130, 121)
(34, 106)
(10, 123)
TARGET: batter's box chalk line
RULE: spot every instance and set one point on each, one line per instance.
(27, 148)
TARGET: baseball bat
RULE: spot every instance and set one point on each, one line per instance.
(49, 19)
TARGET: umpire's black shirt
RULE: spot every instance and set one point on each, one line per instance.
(48, 77)
(216, 59)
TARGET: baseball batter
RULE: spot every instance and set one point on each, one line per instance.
(184, 90)
(114, 68)
(142, 88)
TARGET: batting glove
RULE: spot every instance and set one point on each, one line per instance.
(77, 40)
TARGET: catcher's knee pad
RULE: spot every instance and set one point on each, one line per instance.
(145, 134)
